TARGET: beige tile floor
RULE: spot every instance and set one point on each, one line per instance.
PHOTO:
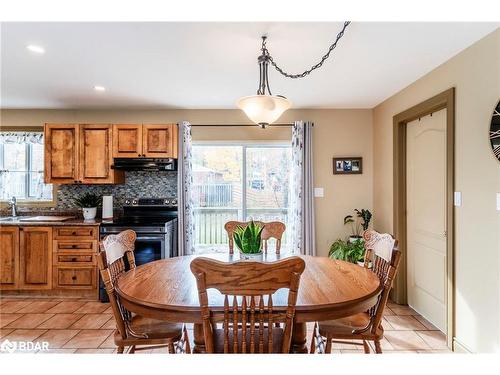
(82, 326)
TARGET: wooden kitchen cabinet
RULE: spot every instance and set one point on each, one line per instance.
(80, 154)
(145, 140)
(9, 257)
(35, 258)
(127, 140)
(61, 153)
(159, 141)
(96, 155)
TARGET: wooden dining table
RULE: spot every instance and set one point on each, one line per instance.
(329, 289)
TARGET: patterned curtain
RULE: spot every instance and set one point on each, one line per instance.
(21, 137)
(184, 196)
(301, 214)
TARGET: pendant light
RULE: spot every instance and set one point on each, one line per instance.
(265, 108)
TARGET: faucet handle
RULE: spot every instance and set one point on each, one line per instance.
(13, 200)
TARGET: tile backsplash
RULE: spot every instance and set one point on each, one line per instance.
(148, 184)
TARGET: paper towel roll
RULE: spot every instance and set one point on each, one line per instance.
(107, 206)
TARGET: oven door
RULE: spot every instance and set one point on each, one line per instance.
(149, 247)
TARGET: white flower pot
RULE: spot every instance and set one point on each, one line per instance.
(255, 257)
(354, 239)
(89, 213)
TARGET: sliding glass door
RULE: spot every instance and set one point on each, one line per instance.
(237, 182)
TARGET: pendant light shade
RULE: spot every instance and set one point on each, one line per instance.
(264, 109)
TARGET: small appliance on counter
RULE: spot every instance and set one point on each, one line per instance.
(155, 222)
(107, 207)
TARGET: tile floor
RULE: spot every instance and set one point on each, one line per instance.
(83, 326)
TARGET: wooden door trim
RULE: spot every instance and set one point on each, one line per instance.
(444, 100)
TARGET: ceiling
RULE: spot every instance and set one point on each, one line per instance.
(211, 65)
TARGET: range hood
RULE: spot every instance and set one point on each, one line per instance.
(144, 164)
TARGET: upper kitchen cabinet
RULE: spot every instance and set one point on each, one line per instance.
(159, 141)
(80, 154)
(96, 155)
(145, 140)
(127, 140)
(61, 153)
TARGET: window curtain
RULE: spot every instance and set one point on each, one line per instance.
(301, 214)
(184, 196)
(7, 177)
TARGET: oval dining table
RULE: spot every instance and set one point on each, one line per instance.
(329, 289)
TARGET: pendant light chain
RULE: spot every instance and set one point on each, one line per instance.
(314, 67)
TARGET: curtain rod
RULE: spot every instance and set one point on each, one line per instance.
(243, 125)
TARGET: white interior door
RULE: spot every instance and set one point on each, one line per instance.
(426, 217)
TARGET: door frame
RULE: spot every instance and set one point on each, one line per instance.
(444, 100)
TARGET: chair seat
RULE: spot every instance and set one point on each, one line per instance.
(342, 328)
(277, 340)
(155, 329)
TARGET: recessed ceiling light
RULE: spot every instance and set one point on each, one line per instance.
(99, 88)
(36, 49)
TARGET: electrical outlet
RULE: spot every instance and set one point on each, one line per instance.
(457, 198)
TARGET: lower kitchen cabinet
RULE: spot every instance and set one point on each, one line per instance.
(58, 260)
(35, 258)
(9, 257)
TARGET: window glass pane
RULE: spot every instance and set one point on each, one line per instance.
(217, 193)
(14, 171)
(268, 170)
(15, 157)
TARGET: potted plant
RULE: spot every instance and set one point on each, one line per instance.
(348, 251)
(88, 202)
(358, 224)
(248, 240)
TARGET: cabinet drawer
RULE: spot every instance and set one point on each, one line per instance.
(74, 258)
(75, 246)
(67, 233)
(76, 278)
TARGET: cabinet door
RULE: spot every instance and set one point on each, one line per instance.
(35, 258)
(159, 141)
(9, 257)
(96, 155)
(61, 153)
(127, 140)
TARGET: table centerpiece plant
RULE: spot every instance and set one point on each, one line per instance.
(248, 239)
(349, 251)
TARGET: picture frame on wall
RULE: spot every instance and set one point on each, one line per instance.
(348, 165)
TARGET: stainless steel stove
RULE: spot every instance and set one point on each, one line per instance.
(155, 222)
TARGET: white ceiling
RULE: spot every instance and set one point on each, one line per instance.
(211, 65)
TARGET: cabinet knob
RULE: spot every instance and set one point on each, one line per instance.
(73, 246)
(73, 278)
(73, 260)
(74, 234)
(139, 155)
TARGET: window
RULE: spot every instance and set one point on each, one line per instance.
(21, 167)
(237, 182)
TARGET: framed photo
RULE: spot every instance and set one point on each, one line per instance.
(348, 165)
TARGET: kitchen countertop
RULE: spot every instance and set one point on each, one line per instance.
(70, 222)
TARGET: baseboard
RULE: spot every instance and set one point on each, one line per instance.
(458, 347)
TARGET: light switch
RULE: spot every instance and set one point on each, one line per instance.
(498, 201)
(319, 192)
(457, 198)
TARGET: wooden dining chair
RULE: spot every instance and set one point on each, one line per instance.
(248, 314)
(273, 229)
(134, 330)
(364, 326)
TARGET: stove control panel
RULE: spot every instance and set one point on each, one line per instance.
(151, 202)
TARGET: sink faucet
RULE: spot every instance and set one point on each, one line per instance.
(13, 206)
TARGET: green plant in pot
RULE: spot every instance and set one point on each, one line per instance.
(88, 202)
(358, 224)
(348, 251)
(249, 240)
